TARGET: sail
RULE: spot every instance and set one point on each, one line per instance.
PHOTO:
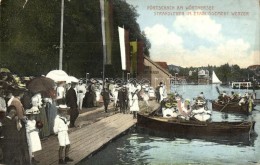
(215, 79)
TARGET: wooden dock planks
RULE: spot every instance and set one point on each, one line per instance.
(86, 140)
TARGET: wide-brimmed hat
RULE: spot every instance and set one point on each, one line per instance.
(33, 111)
(92, 80)
(63, 107)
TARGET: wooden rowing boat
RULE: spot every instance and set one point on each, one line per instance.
(196, 128)
(232, 107)
(257, 101)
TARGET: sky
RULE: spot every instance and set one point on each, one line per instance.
(201, 32)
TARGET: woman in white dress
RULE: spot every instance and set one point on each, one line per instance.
(134, 104)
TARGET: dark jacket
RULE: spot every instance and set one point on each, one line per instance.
(71, 98)
(106, 94)
(122, 95)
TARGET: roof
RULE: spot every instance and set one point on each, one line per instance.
(163, 65)
(254, 67)
(158, 66)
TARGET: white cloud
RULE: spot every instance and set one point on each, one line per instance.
(234, 48)
(160, 35)
(201, 26)
(164, 43)
(168, 46)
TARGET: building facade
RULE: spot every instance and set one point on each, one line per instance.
(155, 74)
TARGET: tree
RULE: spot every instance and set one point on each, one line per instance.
(30, 36)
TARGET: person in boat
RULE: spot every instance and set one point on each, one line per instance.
(187, 104)
(169, 106)
(246, 98)
(201, 95)
(223, 98)
(200, 100)
(234, 97)
(242, 101)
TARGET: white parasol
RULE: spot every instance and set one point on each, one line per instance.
(58, 75)
(72, 79)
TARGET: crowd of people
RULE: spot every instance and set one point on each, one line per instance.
(28, 117)
(25, 118)
(225, 98)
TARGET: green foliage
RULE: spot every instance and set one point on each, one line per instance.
(30, 36)
(226, 73)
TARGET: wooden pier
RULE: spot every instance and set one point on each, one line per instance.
(86, 140)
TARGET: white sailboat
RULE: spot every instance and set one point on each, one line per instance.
(215, 79)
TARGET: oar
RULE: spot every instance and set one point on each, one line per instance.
(224, 107)
(227, 105)
(217, 90)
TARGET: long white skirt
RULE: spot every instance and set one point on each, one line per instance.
(34, 141)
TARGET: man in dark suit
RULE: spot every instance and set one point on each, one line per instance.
(106, 97)
(122, 97)
(71, 101)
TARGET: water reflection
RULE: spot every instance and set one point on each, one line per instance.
(139, 148)
(148, 147)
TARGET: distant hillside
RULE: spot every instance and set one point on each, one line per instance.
(255, 69)
(174, 68)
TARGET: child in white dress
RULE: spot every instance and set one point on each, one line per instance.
(33, 138)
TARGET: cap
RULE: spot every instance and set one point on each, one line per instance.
(63, 107)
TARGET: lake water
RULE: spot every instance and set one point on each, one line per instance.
(139, 147)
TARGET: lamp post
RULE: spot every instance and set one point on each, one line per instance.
(61, 35)
(87, 76)
(127, 76)
(155, 81)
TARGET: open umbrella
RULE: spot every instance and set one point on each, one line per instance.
(57, 75)
(40, 84)
(4, 70)
(72, 79)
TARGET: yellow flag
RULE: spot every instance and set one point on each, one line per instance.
(133, 57)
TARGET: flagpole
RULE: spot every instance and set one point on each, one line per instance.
(103, 37)
(61, 35)
(121, 64)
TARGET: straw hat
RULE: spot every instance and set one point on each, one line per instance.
(63, 107)
(33, 111)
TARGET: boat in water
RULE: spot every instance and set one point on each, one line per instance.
(182, 127)
(245, 85)
(233, 107)
(215, 79)
(174, 107)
